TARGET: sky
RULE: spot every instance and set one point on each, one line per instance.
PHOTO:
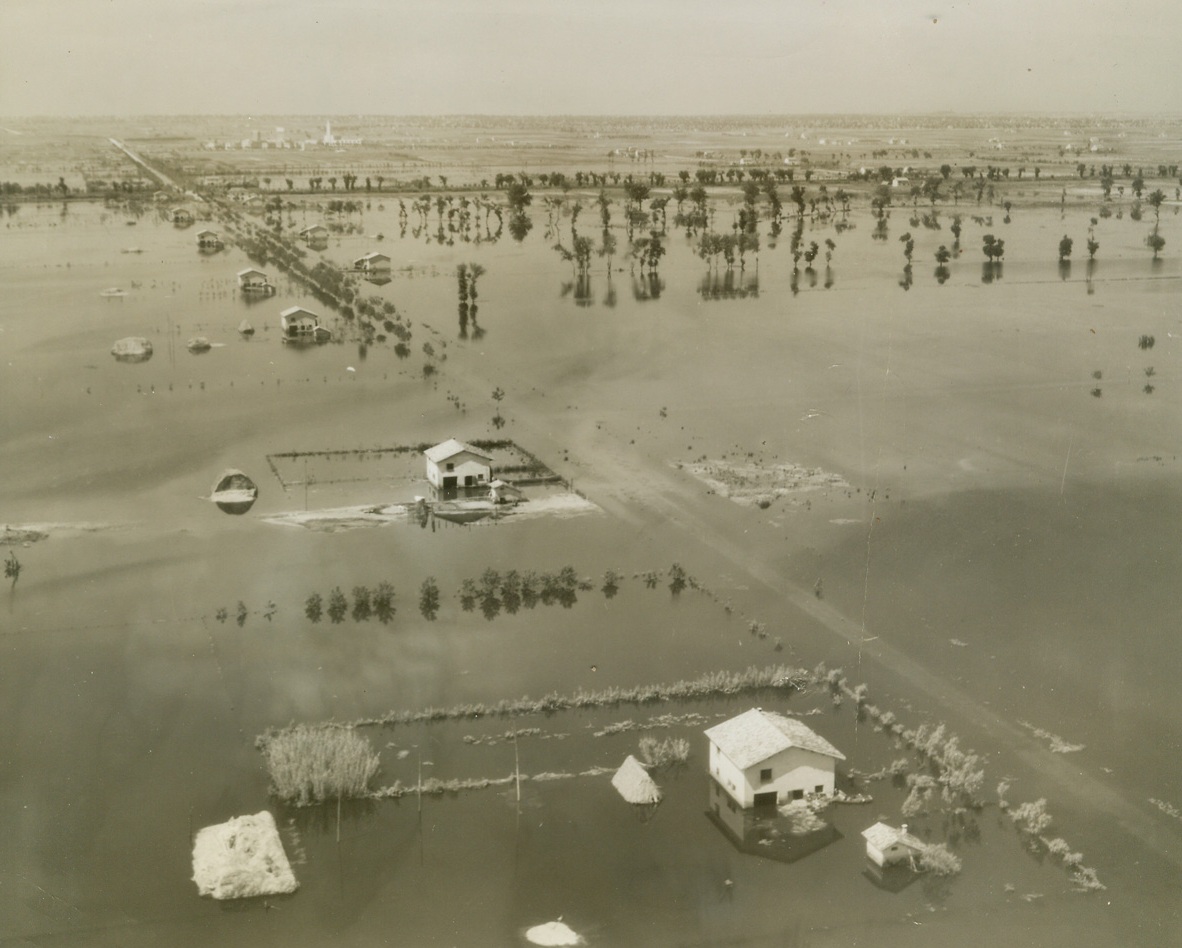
(587, 57)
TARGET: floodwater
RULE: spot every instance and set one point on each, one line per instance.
(1009, 531)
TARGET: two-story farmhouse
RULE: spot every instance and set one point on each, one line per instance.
(453, 464)
(762, 759)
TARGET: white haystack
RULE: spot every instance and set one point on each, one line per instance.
(553, 933)
(242, 858)
(634, 783)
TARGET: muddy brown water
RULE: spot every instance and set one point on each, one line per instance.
(994, 501)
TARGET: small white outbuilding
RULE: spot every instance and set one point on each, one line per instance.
(886, 846)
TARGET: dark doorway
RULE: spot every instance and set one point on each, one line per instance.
(766, 799)
(450, 483)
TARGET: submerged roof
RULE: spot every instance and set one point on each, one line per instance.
(297, 311)
(450, 448)
(883, 836)
(250, 270)
(756, 735)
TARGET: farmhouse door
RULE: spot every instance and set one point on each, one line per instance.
(765, 799)
(450, 482)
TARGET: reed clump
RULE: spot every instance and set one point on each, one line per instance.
(310, 765)
(664, 753)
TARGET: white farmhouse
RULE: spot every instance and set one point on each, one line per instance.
(454, 464)
(762, 759)
(301, 325)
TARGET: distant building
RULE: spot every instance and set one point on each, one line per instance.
(209, 239)
(453, 464)
(372, 261)
(314, 233)
(763, 759)
(253, 280)
(332, 140)
(886, 846)
(300, 325)
(181, 216)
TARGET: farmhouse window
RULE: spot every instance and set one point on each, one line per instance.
(797, 794)
(450, 466)
(820, 788)
(765, 775)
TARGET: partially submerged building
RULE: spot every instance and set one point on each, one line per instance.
(453, 464)
(763, 759)
(887, 846)
(301, 325)
(372, 262)
(314, 233)
(253, 280)
(209, 239)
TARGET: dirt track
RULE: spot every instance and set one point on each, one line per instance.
(655, 498)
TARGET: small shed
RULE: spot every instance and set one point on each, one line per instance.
(452, 464)
(209, 239)
(764, 759)
(887, 846)
(634, 784)
(372, 262)
(502, 492)
(181, 215)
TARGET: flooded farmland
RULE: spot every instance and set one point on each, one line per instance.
(988, 541)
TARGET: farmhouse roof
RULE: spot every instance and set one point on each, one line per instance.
(634, 784)
(883, 836)
(374, 255)
(298, 311)
(450, 448)
(756, 735)
(251, 270)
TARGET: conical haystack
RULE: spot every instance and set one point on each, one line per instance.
(634, 784)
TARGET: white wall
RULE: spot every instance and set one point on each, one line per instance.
(464, 465)
(793, 769)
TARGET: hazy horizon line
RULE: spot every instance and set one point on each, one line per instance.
(760, 116)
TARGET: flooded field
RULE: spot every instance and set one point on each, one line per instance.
(961, 488)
